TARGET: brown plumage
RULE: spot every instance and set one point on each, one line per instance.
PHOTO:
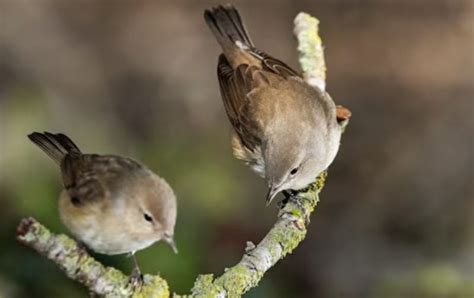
(285, 129)
(112, 204)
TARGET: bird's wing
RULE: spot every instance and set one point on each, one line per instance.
(236, 84)
(274, 65)
(81, 179)
(91, 177)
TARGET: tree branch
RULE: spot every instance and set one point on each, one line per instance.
(282, 239)
(80, 266)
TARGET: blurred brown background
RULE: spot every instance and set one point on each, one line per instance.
(137, 78)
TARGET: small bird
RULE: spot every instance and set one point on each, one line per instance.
(284, 129)
(112, 204)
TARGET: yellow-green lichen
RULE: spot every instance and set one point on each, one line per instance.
(154, 287)
(297, 212)
(87, 264)
(67, 243)
(238, 280)
(310, 47)
(204, 287)
(287, 237)
(320, 180)
(36, 233)
(112, 274)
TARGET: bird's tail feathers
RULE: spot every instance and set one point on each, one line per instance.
(56, 146)
(227, 26)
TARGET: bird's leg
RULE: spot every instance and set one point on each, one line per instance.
(81, 249)
(291, 195)
(282, 203)
(136, 277)
(299, 202)
(298, 221)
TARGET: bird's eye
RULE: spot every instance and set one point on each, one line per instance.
(294, 171)
(147, 217)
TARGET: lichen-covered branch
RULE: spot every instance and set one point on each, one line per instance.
(80, 266)
(282, 239)
(310, 50)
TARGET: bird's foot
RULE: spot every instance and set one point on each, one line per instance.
(136, 278)
(281, 204)
(300, 220)
(299, 202)
(81, 249)
(288, 196)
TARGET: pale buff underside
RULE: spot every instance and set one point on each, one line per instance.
(102, 232)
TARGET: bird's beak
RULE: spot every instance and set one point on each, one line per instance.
(272, 192)
(171, 243)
